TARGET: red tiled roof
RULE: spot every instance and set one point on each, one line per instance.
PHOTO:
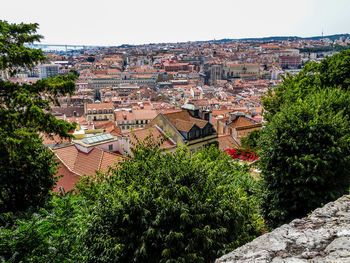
(183, 121)
(241, 122)
(81, 163)
(100, 106)
(141, 134)
(108, 126)
(227, 142)
(55, 139)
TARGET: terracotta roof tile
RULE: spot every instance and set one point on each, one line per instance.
(141, 134)
(226, 142)
(241, 122)
(55, 139)
(86, 163)
(144, 114)
(183, 121)
(182, 125)
(100, 106)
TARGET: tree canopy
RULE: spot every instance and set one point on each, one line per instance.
(155, 207)
(26, 168)
(304, 146)
(174, 207)
(332, 72)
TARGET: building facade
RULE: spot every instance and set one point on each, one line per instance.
(99, 111)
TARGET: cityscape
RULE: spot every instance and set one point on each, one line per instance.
(130, 91)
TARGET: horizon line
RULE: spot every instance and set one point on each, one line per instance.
(189, 41)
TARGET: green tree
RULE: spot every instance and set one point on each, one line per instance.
(305, 155)
(332, 72)
(90, 59)
(50, 235)
(169, 207)
(160, 78)
(26, 167)
(170, 77)
(251, 141)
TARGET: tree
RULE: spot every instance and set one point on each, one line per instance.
(26, 167)
(49, 235)
(170, 77)
(169, 207)
(90, 59)
(332, 72)
(160, 78)
(251, 141)
(305, 155)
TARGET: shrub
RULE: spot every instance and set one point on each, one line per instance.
(305, 155)
(173, 207)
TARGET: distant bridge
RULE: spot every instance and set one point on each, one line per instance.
(63, 47)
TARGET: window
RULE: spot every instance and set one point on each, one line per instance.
(89, 111)
(104, 111)
(94, 111)
(100, 117)
(89, 118)
(110, 111)
(141, 121)
(197, 133)
(146, 121)
(99, 111)
(110, 147)
(137, 122)
(106, 117)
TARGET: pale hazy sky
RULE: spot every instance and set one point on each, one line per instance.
(115, 22)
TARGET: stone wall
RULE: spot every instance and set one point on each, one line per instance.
(324, 236)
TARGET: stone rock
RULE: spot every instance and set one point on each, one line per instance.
(322, 237)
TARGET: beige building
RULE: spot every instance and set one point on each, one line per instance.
(187, 128)
(99, 111)
(134, 119)
(235, 70)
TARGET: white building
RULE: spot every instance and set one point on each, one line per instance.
(48, 70)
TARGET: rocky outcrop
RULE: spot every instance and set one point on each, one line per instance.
(322, 237)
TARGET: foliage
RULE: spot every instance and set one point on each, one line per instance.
(160, 78)
(335, 47)
(13, 53)
(90, 59)
(305, 155)
(74, 72)
(26, 168)
(332, 72)
(251, 141)
(50, 235)
(155, 207)
(169, 207)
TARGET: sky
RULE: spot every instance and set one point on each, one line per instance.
(116, 22)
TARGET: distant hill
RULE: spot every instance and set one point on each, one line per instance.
(283, 38)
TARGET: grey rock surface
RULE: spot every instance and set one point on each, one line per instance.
(322, 237)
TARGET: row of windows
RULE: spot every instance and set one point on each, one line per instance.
(100, 118)
(132, 122)
(128, 127)
(100, 111)
(196, 133)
